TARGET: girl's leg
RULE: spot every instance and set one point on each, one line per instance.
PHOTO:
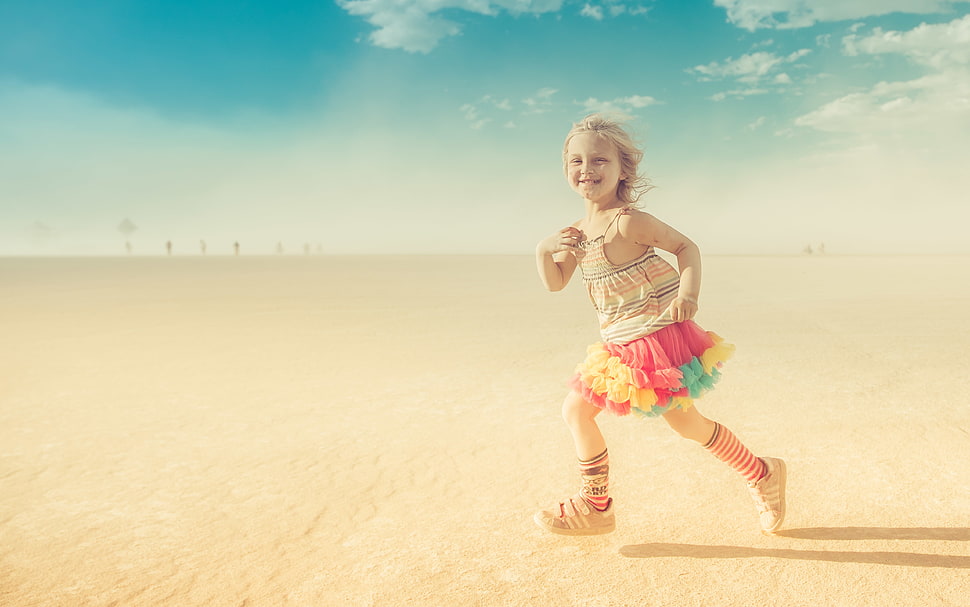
(580, 416)
(766, 476)
(691, 424)
(594, 460)
(589, 512)
(717, 439)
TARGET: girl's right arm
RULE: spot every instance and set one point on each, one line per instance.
(557, 256)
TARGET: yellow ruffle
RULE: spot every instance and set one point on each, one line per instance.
(607, 375)
(643, 399)
(716, 354)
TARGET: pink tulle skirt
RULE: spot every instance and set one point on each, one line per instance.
(651, 375)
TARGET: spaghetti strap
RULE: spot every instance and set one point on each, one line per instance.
(622, 211)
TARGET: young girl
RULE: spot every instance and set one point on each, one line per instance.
(653, 360)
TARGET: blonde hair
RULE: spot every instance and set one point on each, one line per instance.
(635, 185)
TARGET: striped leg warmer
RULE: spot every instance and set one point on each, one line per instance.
(727, 448)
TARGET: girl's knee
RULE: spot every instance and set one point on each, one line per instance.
(690, 424)
(575, 410)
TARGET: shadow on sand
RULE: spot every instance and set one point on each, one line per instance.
(906, 559)
(949, 534)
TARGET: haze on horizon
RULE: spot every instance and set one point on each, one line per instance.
(353, 129)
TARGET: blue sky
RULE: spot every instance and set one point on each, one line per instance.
(435, 126)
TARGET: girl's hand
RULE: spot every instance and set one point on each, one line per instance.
(683, 308)
(566, 239)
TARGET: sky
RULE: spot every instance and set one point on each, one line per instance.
(436, 126)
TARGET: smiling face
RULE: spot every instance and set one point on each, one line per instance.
(593, 167)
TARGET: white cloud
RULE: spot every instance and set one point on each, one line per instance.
(489, 108)
(621, 105)
(417, 26)
(757, 124)
(473, 116)
(593, 12)
(937, 46)
(750, 68)
(638, 101)
(614, 8)
(541, 101)
(502, 104)
(480, 113)
(739, 93)
(932, 107)
(747, 68)
(784, 14)
(473, 111)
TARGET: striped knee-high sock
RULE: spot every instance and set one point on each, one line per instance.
(727, 448)
(596, 480)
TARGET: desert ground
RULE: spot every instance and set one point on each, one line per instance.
(314, 430)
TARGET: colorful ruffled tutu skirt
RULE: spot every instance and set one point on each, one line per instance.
(654, 374)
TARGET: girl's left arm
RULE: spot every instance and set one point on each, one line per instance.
(647, 230)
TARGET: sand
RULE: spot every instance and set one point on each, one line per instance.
(379, 431)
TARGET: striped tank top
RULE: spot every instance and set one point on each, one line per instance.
(631, 299)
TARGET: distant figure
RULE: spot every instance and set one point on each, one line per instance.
(279, 248)
(128, 247)
(821, 248)
(653, 360)
(807, 250)
(168, 247)
(235, 248)
(202, 246)
(319, 249)
(306, 249)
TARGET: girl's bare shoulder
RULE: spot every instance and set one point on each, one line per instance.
(634, 223)
(646, 230)
(629, 214)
